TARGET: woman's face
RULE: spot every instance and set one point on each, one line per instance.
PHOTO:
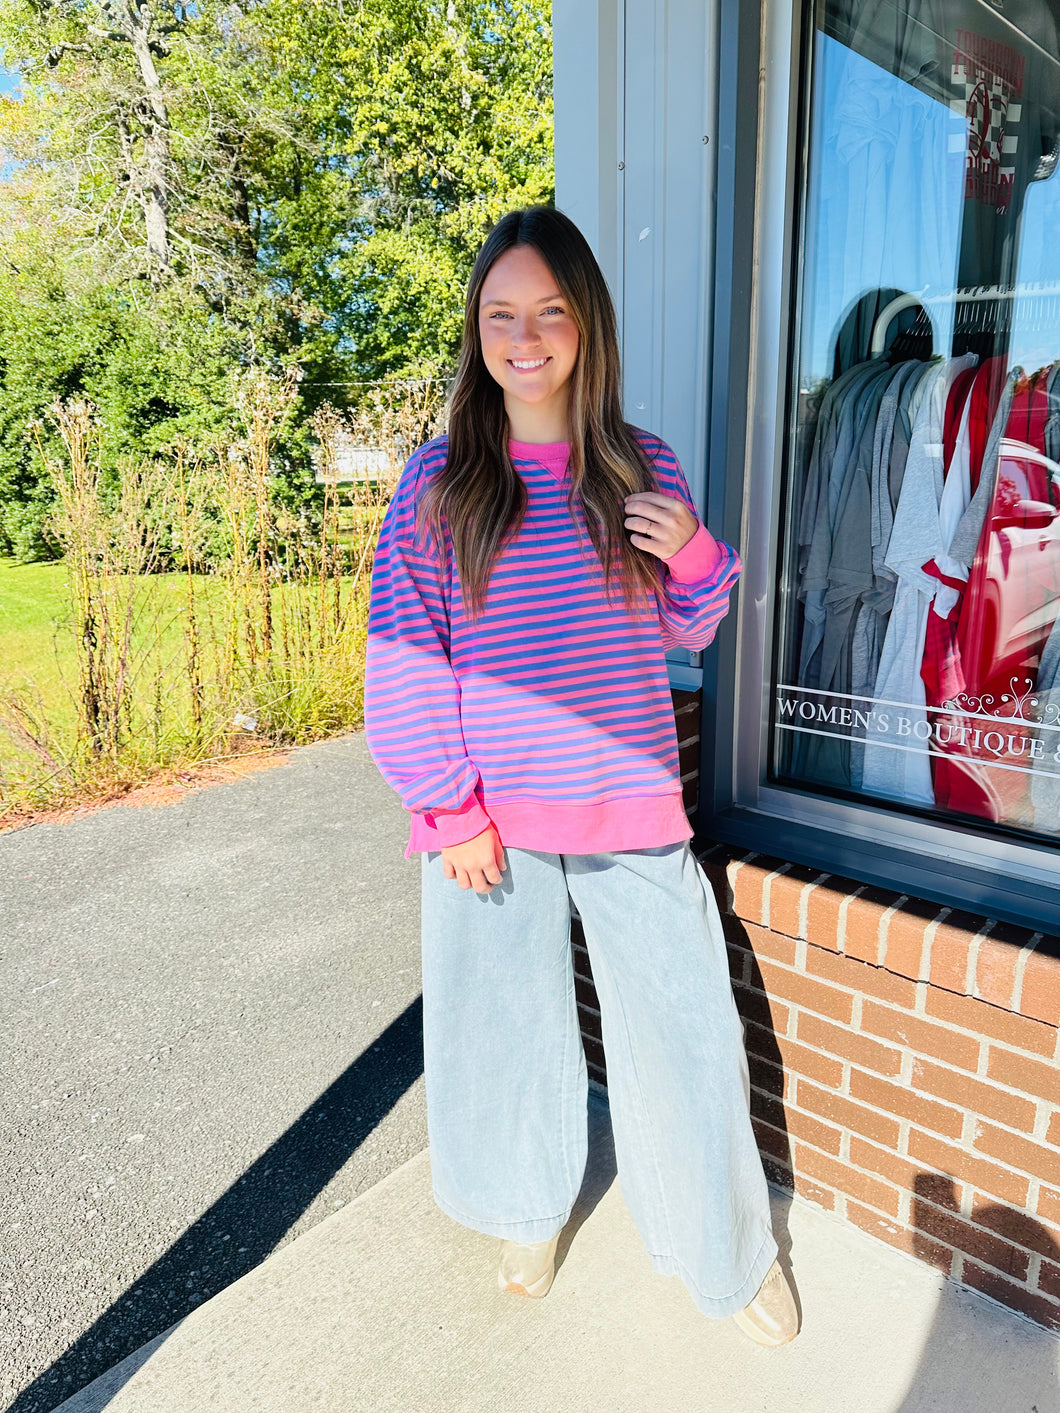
(529, 337)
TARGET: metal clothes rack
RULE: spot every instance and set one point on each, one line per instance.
(924, 300)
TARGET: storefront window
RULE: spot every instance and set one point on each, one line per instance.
(918, 652)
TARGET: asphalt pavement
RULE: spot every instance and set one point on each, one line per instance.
(211, 1041)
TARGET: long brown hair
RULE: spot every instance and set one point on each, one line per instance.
(479, 495)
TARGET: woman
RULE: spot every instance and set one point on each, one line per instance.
(533, 568)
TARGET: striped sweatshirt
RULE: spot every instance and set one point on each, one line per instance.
(551, 715)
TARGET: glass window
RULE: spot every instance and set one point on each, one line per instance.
(917, 660)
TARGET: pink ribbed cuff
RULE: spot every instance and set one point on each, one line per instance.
(696, 560)
(440, 828)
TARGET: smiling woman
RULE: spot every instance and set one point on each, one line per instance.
(529, 344)
(533, 568)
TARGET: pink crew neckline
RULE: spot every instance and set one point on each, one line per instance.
(553, 456)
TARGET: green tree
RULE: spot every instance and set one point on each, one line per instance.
(435, 119)
(193, 189)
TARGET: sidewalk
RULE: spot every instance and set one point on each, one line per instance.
(389, 1307)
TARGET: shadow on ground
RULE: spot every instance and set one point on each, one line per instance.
(248, 1221)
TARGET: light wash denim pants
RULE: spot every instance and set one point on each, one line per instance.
(505, 1071)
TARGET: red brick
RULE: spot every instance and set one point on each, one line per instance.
(747, 881)
(846, 1179)
(785, 899)
(1018, 1152)
(813, 1131)
(739, 963)
(862, 931)
(688, 754)
(594, 1052)
(920, 1035)
(765, 1010)
(879, 1127)
(822, 1069)
(1049, 1280)
(949, 951)
(873, 1223)
(768, 1108)
(995, 971)
(1040, 993)
(1039, 1307)
(932, 1252)
(955, 1162)
(943, 1191)
(860, 976)
(777, 1172)
(992, 1021)
(848, 1044)
(767, 944)
(586, 993)
(984, 1099)
(1015, 1226)
(896, 1099)
(1052, 1134)
(970, 1240)
(1049, 1204)
(590, 1023)
(714, 862)
(811, 995)
(820, 1196)
(903, 950)
(822, 912)
(1021, 1072)
(772, 1141)
(760, 1040)
(766, 1076)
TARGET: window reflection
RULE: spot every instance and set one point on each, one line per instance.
(919, 653)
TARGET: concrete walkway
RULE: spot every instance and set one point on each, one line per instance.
(389, 1307)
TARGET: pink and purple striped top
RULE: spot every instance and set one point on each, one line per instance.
(551, 715)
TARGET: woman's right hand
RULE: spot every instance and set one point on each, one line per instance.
(476, 863)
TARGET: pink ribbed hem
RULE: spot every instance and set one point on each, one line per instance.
(639, 822)
(696, 560)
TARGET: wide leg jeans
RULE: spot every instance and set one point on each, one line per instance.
(505, 1071)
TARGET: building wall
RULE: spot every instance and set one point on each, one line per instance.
(904, 1068)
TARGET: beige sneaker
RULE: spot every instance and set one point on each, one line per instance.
(527, 1269)
(771, 1317)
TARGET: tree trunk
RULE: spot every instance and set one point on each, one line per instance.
(154, 186)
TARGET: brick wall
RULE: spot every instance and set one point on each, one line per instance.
(904, 1069)
(905, 1065)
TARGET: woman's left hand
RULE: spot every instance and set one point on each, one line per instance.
(662, 524)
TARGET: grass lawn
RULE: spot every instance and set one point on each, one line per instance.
(38, 661)
(38, 666)
(35, 636)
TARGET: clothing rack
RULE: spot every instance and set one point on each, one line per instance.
(923, 300)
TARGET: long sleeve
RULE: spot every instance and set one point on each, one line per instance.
(412, 699)
(698, 579)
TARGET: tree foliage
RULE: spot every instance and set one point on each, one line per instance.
(191, 189)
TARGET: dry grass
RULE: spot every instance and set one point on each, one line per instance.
(262, 646)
